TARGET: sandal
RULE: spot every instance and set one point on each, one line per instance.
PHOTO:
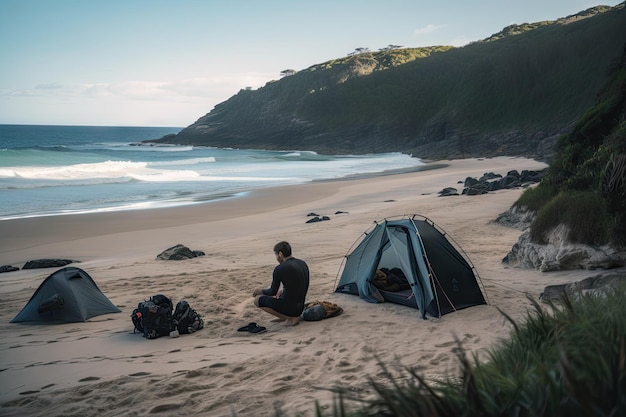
(252, 328)
(247, 328)
(257, 329)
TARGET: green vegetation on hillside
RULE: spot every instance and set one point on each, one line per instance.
(508, 95)
(585, 188)
(517, 81)
(514, 30)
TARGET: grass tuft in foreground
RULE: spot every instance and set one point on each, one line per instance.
(564, 360)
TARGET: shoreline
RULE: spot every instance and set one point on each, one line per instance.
(212, 198)
(51, 369)
(18, 232)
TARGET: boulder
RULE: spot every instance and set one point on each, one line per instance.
(516, 217)
(448, 191)
(560, 254)
(47, 263)
(178, 252)
(594, 284)
(491, 181)
(8, 268)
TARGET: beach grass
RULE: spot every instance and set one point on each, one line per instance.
(565, 359)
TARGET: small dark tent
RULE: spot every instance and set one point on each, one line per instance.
(408, 260)
(68, 295)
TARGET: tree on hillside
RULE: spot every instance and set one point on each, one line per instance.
(287, 72)
(390, 47)
(359, 51)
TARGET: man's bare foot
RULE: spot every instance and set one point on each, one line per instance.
(292, 321)
(277, 320)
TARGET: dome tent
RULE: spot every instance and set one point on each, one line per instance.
(67, 295)
(439, 279)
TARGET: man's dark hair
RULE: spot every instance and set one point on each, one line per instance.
(283, 247)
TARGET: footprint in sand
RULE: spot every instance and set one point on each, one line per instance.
(140, 374)
(281, 389)
(439, 359)
(89, 378)
(469, 339)
(218, 365)
(142, 356)
(164, 407)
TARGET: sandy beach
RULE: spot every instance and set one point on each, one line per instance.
(101, 368)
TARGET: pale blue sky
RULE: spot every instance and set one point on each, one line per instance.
(167, 63)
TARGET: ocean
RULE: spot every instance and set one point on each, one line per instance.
(63, 170)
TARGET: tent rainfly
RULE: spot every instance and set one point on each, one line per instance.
(67, 295)
(408, 260)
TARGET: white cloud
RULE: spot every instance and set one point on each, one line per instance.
(137, 102)
(427, 29)
(222, 86)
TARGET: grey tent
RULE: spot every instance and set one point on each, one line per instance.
(67, 295)
(428, 271)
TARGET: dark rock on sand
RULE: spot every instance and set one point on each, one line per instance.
(47, 263)
(8, 268)
(491, 181)
(448, 191)
(178, 253)
(318, 219)
(595, 284)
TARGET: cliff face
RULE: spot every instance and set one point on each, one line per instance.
(512, 94)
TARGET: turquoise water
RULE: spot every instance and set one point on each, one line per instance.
(51, 170)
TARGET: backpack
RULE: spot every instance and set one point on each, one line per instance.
(186, 320)
(153, 317)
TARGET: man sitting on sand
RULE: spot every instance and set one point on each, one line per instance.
(288, 303)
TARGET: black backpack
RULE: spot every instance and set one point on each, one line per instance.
(186, 319)
(153, 317)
